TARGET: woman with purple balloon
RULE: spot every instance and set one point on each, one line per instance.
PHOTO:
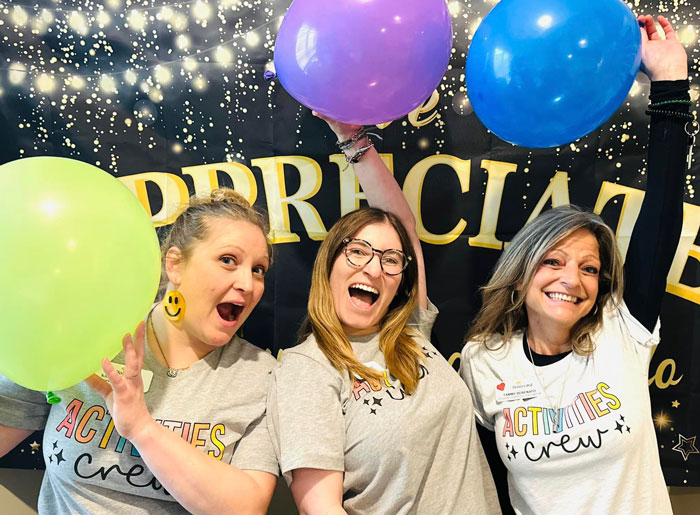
(557, 359)
(366, 415)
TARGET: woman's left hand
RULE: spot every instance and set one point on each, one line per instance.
(123, 394)
(662, 59)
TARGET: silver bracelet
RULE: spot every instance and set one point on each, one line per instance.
(348, 143)
(355, 158)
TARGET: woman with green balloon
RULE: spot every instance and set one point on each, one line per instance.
(180, 425)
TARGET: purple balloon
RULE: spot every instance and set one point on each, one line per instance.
(363, 61)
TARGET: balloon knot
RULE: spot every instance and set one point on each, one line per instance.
(52, 398)
(269, 75)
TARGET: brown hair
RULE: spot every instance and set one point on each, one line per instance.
(402, 353)
(192, 227)
(503, 306)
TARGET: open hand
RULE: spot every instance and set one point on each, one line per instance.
(662, 59)
(123, 394)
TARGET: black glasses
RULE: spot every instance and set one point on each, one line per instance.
(360, 252)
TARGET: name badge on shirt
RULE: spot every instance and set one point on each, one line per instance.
(146, 375)
(517, 390)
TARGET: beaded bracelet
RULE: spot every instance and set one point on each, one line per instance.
(672, 114)
(667, 102)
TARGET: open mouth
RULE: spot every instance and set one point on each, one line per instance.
(563, 297)
(229, 311)
(363, 295)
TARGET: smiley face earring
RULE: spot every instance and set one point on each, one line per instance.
(174, 306)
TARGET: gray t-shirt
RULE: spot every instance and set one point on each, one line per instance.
(217, 404)
(400, 453)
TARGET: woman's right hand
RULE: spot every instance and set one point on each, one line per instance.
(123, 394)
(662, 59)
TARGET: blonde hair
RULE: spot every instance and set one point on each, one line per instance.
(503, 307)
(402, 353)
(192, 225)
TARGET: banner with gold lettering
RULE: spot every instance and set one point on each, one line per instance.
(171, 99)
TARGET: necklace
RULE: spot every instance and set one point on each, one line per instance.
(172, 372)
(556, 408)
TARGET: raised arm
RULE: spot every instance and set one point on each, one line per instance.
(658, 227)
(382, 192)
(199, 482)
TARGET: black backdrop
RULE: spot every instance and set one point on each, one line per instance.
(170, 98)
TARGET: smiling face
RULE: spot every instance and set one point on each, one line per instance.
(222, 280)
(565, 286)
(362, 294)
(174, 306)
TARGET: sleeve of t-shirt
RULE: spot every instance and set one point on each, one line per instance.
(422, 319)
(467, 370)
(306, 418)
(22, 408)
(254, 450)
(631, 333)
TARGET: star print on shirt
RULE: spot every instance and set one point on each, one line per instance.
(513, 452)
(59, 457)
(373, 411)
(376, 401)
(621, 426)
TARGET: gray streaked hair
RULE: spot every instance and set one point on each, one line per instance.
(503, 306)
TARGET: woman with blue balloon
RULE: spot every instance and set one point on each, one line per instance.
(180, 426)
(557, 359)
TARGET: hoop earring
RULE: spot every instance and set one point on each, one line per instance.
(595, 310)
(512, 297)
(174, 306)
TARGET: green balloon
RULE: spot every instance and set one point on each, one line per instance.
(79, 268)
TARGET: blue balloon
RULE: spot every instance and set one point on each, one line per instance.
(542, 73)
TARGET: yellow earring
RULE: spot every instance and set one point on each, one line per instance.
(174, 306)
